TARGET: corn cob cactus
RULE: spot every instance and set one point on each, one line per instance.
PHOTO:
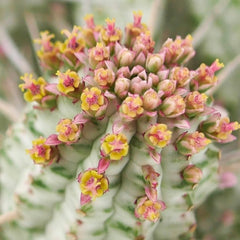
(119, 139)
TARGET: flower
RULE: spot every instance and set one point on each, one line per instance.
(68, 132)
(104, 77)
(98, 54)
(41, 153)
(131, 107)
(92, 184)
(205, 77)
(147, 209)
(158, 135)
(134, 29)
(111, 34)
(34, 89)
(115, 146)
(178, 51)
(73, 44)
(49, 51)
(192, 143)
(219, 129)
(93, 101)
(68, 81)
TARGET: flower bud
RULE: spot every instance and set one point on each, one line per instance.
(195, 103)
(138, 86)
(181, 75)
(154, 62)
(173, 106)
(122, 86)
(179, 50)
(123, 72)
(151, 100)
(125, 57)
(167, 86)
(192, 174)
(191, 143)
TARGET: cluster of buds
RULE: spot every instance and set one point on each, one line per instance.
(104, 75)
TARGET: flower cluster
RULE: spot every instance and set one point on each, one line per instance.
(104, 71)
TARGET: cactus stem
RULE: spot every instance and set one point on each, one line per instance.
(8, 217)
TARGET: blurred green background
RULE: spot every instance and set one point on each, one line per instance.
(214, 24)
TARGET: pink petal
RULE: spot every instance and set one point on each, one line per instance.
(155, 156)
(80, 119)
(151, 193)
(53, 140)
(103, 164)
(85, 199)
(52, 87)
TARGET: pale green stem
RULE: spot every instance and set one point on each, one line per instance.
(12, 53)
(9, 111)
(201, 31)
(225, 73)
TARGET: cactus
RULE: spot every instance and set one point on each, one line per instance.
(118, 141)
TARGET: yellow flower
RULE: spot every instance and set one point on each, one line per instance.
(93, 184)
(158, 135)
(34, 90)
(92, 99)
(132, 106)
(68, 131)
(115, 146)
(40, 152)
(147, 209)
(111, 33)
(104, 77)
(68, 81)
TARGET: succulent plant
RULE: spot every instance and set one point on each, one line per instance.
(119, 139)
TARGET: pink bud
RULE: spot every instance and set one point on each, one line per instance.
(121, 87)
(192, 174)
(151, 100)
(154, 62)
(138, 86)
(168, 87)
(125, 57)
(173, 106)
